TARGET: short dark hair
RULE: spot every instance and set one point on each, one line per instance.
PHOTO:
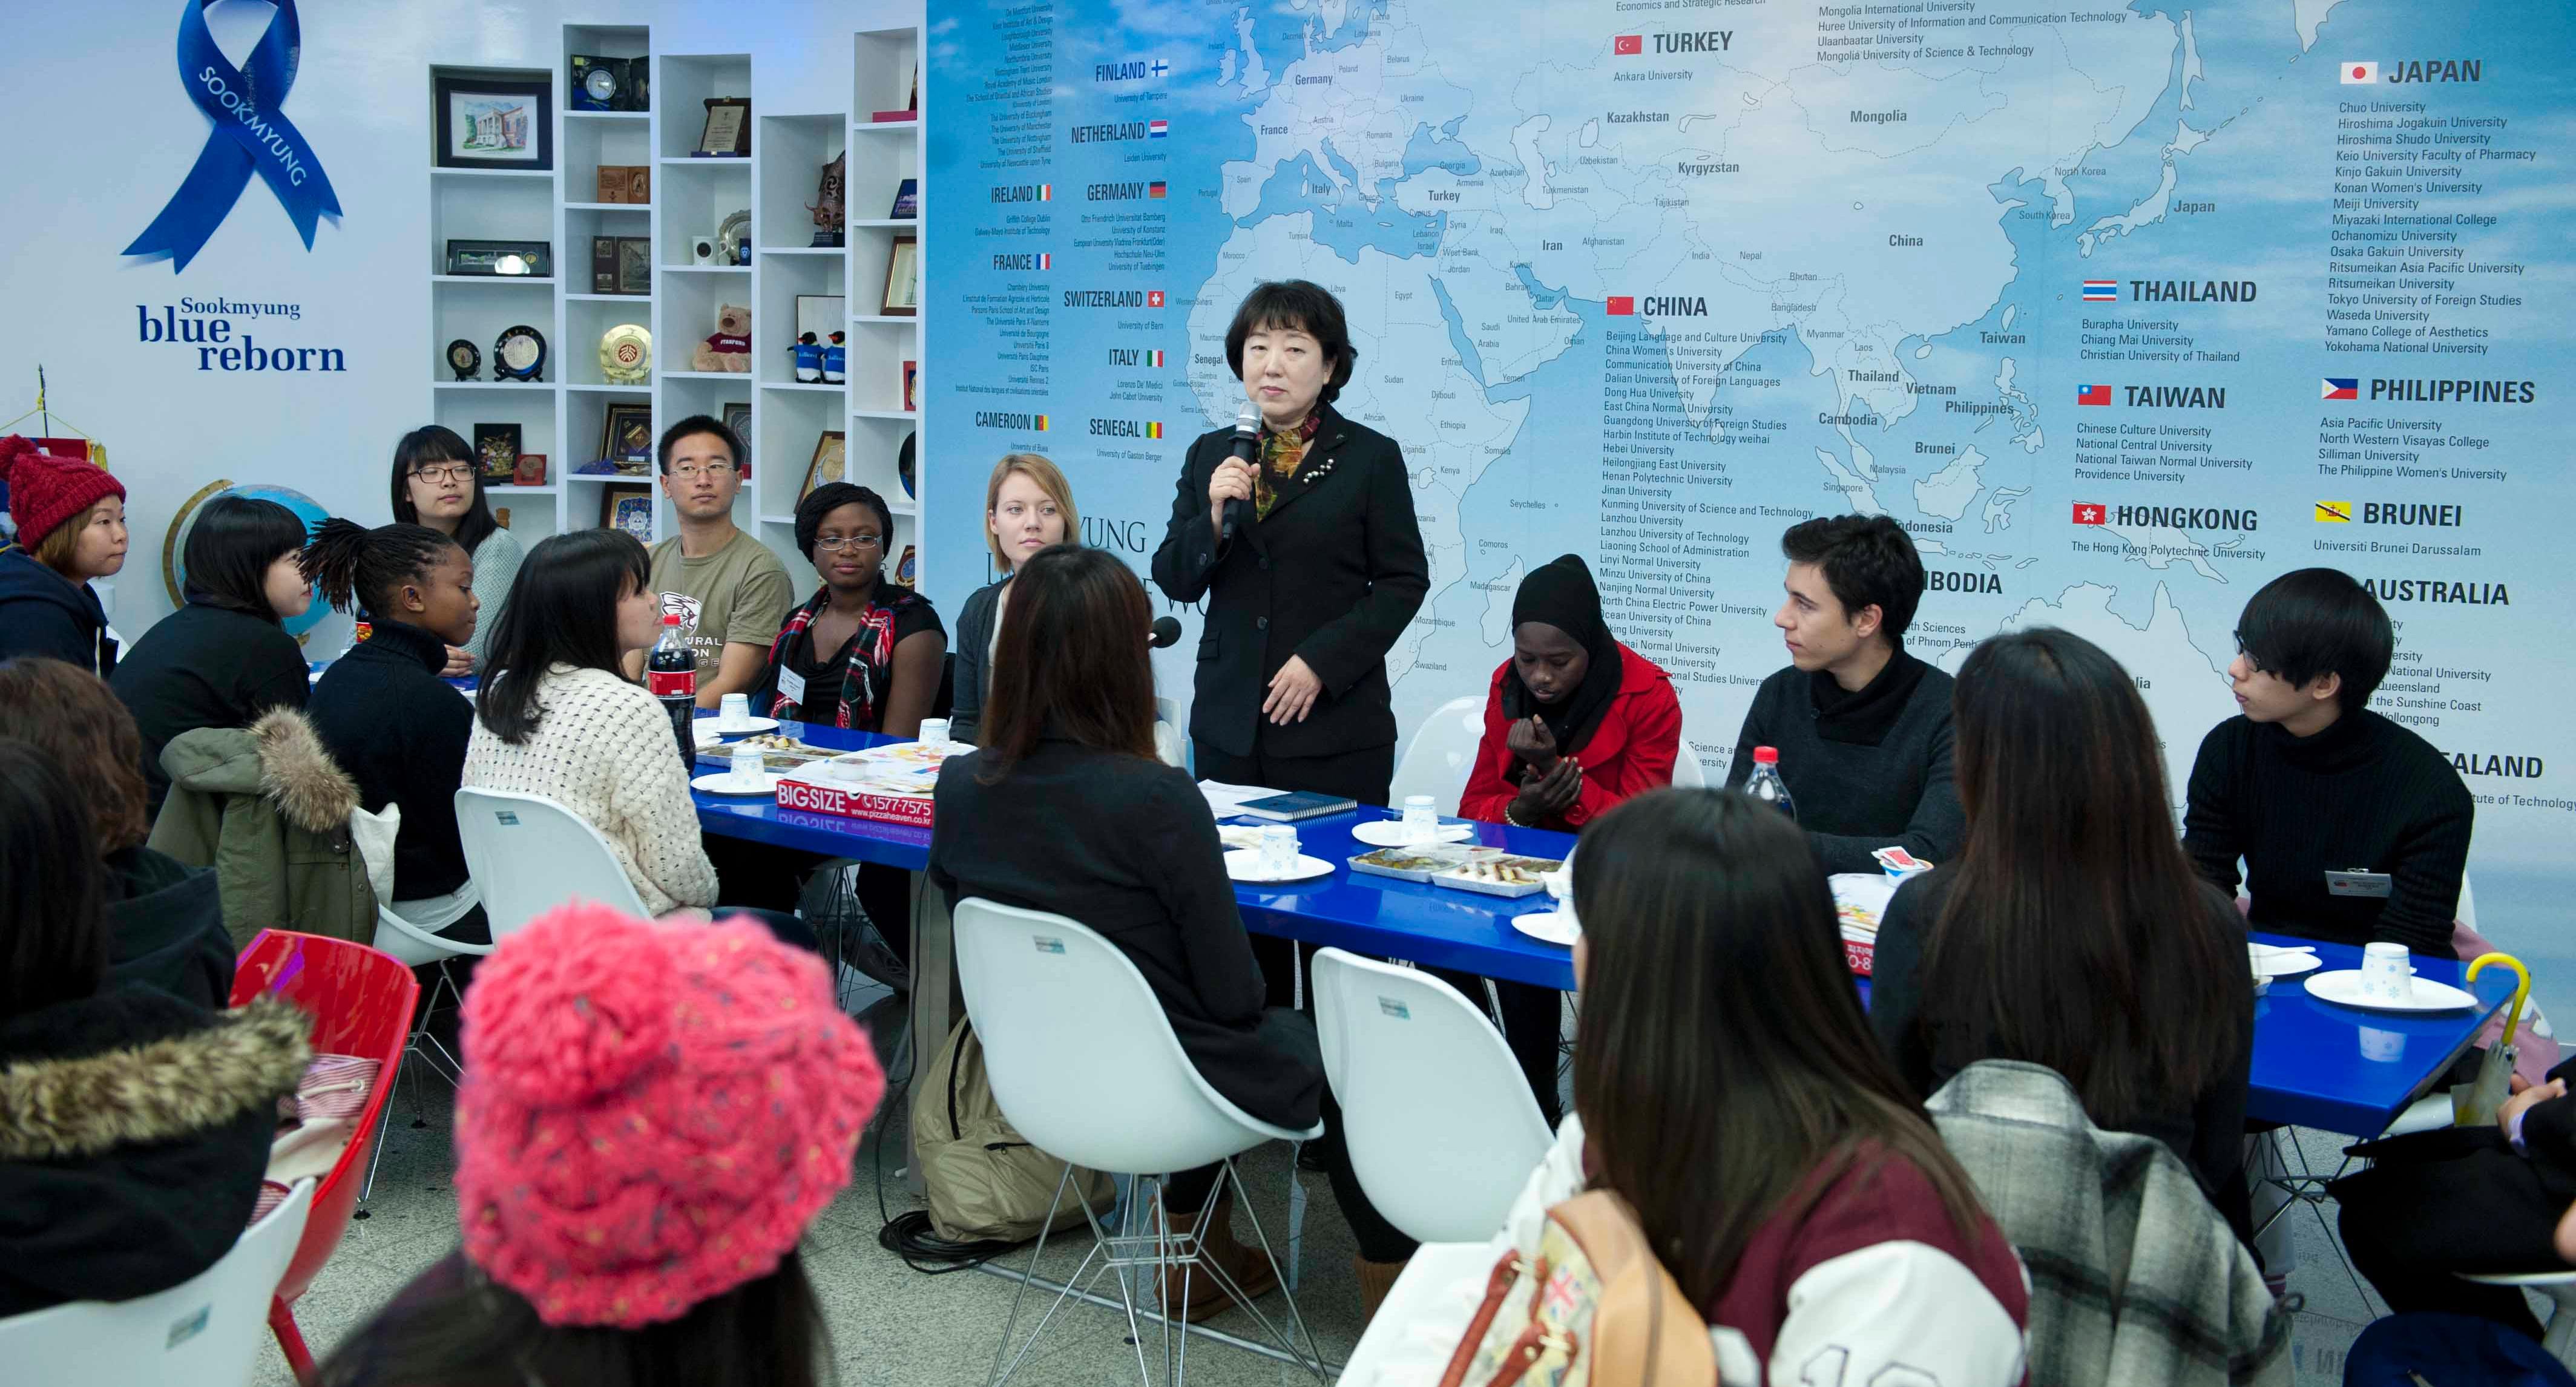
(831, 496)
(1305, 306)
(1869, 561)
(231, 545)
(697, 424)
(1070, 661)
(2317, 621)
(56, 946)
(562, 609)
(438, 443)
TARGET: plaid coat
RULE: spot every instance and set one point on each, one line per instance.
(2134, 1277)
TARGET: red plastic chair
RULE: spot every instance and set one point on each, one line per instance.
(361, 1002)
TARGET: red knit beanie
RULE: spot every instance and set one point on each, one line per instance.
(651, 1113)
(45, 491)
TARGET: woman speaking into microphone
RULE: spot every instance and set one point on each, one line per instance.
(1297, 527)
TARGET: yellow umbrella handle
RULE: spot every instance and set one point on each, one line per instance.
(2521, 990)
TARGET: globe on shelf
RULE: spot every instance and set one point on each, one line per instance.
(174, 548)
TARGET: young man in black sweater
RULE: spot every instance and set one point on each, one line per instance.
(1862, 728)
(2352, 828)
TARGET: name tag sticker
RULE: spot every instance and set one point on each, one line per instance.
(791, 686)
(2373, 885)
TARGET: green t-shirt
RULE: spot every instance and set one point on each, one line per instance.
(739, 593)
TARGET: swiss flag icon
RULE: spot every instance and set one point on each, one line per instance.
(1153, 298)
(1623, 305)
(1628, 43)
(2087, 513)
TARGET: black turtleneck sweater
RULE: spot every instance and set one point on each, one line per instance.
(2363, 795)
(1866, 769)
(400, 731)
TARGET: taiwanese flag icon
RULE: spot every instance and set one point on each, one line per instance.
(2340, 388)
(1626, 44)
(1153, 428)
(1038, 422)
(1155, 188)
(1157, 129)
(1623, 305)
(2092, 394)
(1153, 298)
(1045, 261)
(2360, 74)
(2087, 513)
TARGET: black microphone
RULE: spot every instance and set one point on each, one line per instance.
(1166, 632)
(1247, 445)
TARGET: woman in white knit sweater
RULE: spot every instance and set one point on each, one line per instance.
(555, 717)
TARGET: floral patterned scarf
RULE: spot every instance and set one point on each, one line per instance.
(1281, 455)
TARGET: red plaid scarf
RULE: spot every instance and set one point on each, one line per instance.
(868, 677)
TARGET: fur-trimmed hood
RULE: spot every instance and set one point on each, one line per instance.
(70, 1106)
(280, 756)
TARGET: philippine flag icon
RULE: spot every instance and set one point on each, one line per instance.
(1045, 261)
(2360, 74)
(2101, 291)
(1626, 44)
(1153, 298)
(2092, 394)
(2340, 388)
(2087, 513)
(1623, 305)
(1157, 129)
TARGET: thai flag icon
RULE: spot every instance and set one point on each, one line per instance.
(2360, 74)
(1623, 305)
(2340, 388)
(2092, 394)
(1624, 44)
(2101, 291)
(1157, 129)
(1045, 261)
(1153, 298)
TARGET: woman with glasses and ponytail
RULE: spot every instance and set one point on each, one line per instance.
(439, 486)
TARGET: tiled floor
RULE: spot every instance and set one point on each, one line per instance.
(890, 1324)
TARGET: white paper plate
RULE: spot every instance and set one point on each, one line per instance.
(1244, 864)
(725, 783)
(2343, 988)
(1391, 833)
(2280, 963)
(710, 729)
(1549, 927)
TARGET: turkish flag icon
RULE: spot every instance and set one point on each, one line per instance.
(1623, 305)
(1628, 43)
(1153, 298)
(2087, 513)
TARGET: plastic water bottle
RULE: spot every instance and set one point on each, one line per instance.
(671, 675)
(1766, 784)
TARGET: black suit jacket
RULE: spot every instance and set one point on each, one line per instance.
(1332, 575)
(1126, 845)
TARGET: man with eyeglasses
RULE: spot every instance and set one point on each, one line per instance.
(2352, 828)
(731, 592)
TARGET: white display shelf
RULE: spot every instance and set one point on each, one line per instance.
(608, 207)
(524, 280)
(492, 173)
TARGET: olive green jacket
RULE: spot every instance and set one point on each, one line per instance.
(268, 809)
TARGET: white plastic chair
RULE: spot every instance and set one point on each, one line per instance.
(1688, 774)
(1440, 1123)
(1084, 1063)
(528, 854)
(2560, 1286)
(1441, 755)
(205, 1331)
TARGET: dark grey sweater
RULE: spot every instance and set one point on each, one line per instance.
(1866, 772)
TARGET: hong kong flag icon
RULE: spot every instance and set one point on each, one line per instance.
(2087, 513)
(1626, 44)
(1623, 305)
(1153, 298)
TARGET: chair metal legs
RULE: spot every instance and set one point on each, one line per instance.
(419, 1047)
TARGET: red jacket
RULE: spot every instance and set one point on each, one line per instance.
(1630, 753)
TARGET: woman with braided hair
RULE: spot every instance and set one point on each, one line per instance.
(386, 716)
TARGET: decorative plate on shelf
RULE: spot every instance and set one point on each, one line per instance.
(519, 354)
(625, 354)
(730, 236)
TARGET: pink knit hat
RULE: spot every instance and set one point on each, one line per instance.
(651, 1113)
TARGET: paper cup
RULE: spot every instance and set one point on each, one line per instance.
(1278, 849)
(733, 712)
(2385, 976)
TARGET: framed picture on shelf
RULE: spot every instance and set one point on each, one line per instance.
(496, 452)
(627, 506)
(903, 279)
(531, 470)
(626, 184)
(494, 122)
(626, 438)
(831, 463)
(911, 380)
(727, 134)
(737, 417)
(635, 264)
(907, 201)
(533, 259)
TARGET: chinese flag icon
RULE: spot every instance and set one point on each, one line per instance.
(2088, 513)
(1623, 305)
(1628, 43)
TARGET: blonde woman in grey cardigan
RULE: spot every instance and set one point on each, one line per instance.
(1028, 505)
(438, 483)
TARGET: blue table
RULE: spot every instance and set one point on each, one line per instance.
(2315, 1064)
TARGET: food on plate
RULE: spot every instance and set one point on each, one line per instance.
(1401, 860)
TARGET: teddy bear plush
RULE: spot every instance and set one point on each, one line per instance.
(729, 348)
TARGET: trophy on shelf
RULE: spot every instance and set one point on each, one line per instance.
(829, 205)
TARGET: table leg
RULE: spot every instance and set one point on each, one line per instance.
(934, 1000)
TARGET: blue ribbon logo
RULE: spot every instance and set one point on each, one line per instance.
(251, 135)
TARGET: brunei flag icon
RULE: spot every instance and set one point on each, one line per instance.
(2334, 512)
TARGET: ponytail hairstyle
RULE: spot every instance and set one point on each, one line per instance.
(351, 566)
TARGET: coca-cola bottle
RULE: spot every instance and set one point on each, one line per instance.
(671, 674)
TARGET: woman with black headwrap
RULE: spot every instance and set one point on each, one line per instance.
(1576, 722)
